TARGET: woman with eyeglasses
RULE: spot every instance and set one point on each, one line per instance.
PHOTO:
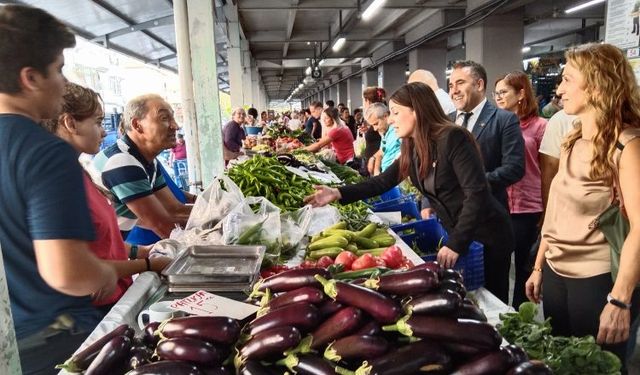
(514, 93)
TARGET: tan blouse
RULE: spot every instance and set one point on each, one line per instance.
(575, 200)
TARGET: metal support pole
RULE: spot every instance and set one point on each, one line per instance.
(181, 21)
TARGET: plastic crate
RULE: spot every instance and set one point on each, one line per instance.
(393, 193)
(253, 130)
(426, 236)
(406, 205)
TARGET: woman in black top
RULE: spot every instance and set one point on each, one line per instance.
(444, 163)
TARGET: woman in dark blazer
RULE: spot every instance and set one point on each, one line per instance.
(443, 162)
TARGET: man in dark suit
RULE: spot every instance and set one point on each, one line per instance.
(497, 131)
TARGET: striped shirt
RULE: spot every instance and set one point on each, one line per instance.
(128, 175)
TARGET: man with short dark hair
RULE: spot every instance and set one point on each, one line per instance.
(312, 126)
(129, 168)
(330, 104)
(502, 147)
(45, 225)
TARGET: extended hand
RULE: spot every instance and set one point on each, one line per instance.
(323, 196)
(447, 257)
(159, 263)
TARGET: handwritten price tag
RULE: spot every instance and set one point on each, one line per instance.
(208, 304)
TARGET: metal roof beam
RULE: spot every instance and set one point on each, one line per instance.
(261, 5)
(109, 8)
(290, 21)
(166, 20)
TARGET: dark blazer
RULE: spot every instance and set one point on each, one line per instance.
(457, 190)
(500, 139)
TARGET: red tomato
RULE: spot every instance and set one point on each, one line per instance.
(380, 262)
(393, 256)
(346, 258)
(364, 261)
(308, 264)
(325, 262)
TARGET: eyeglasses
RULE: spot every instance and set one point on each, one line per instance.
(500, 94)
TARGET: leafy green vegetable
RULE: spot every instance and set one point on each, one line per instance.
(565, 355)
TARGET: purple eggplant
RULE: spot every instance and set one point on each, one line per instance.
(111, 356)
(309, 365)
(442, 329)
(419, 356)
(167, 368)
(454, 286)
(305, 294)
(495, 362)
(329, 307)
(370, 328)
(462, 351)
(517, 354)
(207, 328)
(338, 325)
(81, 360)
(302, 315)
(466, 311)
(149, 336)
(382, 308)
(440, 303)
(255, 368)
(271, 343)
(139, 356)
(449, 274)
(356, 348)
(406, 283)
(431, 266)
(216, 370)
(189, 349)
(530, 368)
(292, 279)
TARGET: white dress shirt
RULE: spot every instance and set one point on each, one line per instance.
(474, 118)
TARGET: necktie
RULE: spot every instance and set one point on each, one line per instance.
(465, 121)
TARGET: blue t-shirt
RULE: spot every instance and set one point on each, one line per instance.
(390, 146)
(142, 236)
(42, 197)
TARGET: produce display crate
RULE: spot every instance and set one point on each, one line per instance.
(253, 130)
(391, 194)
(425, 235)
(406, 205)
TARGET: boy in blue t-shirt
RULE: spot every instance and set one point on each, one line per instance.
(45, 224)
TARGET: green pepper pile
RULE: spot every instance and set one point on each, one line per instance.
(355, 214)
(266, 177)
(564, 355)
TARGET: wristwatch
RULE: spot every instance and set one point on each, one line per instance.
(618, 303)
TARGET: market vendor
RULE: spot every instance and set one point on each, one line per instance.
(377, 116)
(233, 134)
(444, 163)
(80, 124)
(338, 136)
(129, 169)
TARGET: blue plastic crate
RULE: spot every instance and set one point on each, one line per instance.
(406, 205)
(253, 130)
(391, 194)
(426, 236)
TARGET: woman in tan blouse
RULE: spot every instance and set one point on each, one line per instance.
(572, 272)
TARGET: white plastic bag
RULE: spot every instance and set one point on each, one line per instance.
(255, 221)
(359, 145)
(323, 217)
(214, 203)
(294, 226)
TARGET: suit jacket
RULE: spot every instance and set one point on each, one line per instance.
(457, 190)
(502, 147)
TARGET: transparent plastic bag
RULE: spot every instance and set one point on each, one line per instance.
(294, 226)
(214, 203)
(323, 217)
(255, 221)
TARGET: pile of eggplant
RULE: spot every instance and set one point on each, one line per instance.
(416, 321)
(194, 345)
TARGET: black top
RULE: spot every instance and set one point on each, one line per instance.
(308, 127)
(456, 188)
(372, 139)
(351, 124)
